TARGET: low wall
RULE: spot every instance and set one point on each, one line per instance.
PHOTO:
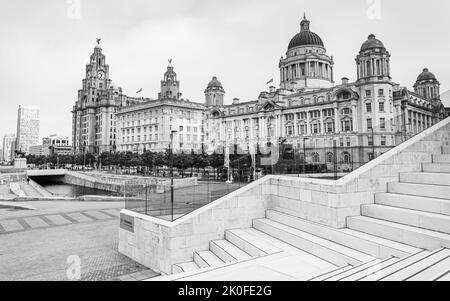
(126, 186)
(44, 192)
(158, 244)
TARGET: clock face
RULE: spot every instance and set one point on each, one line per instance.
(101, 75)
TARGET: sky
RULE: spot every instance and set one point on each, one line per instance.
(46, 44)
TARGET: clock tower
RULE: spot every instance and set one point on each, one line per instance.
(94, 125)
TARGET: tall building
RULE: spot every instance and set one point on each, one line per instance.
(8, 147)
(27, 128)
(150, 124)
(309, 110)
(93, 116)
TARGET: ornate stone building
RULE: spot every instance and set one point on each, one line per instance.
(150, 124)
(309, 111)
(94, 114)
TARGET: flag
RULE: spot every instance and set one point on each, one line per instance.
(140, 90)
(270, 81)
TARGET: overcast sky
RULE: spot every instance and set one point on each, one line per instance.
(45, 45)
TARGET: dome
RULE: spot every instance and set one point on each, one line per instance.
(214, 83)
(371, 43)
(426, 75)
(305, 37)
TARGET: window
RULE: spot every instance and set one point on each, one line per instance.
(315, 158)
(368, 93)
(346, 157)
(383, 140)
(369, 107)
(349, 141)
(181, 128)
(370, 141)
(380, 92)
(330, 158)
(369, 123)
(381, 106)
(383, 124)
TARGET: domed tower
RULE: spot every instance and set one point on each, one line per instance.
(375, 88)
(427, 85)
(170, 86)
(373, 61)
(214, 93)
(306, 66)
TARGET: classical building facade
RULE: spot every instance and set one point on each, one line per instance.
(152, 124)
(308, 111)
(28, 122)
(94, 114)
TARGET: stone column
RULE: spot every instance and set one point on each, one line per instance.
(355, 117)
(337, 127)
(322, 124)
(308, 125)
(296, 133)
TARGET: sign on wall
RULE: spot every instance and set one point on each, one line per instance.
(127, 222)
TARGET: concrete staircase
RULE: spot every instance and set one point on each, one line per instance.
(422, 266)
(404, 235)
(415, 211)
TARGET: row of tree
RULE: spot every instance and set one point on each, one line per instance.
(149, 160)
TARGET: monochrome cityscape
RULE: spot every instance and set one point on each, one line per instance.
(329, 171)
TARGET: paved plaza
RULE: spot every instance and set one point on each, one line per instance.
(37, 244)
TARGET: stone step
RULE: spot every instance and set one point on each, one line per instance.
(433, 272)
(184, 267)
(322, 248)
(394, 267)
(441, 158)
(431, 191)
(436, 167)
(250, 244)
(227, 252)
(426, 178)
(331, 273)
(444, 277)
(413, 236)
(411, 270)
(364, 270)
(420, 219)
(205, 259)
(369, 244)
(431, 205)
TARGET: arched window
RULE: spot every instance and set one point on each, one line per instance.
(315, 158)
(330, 157)
(346, 158)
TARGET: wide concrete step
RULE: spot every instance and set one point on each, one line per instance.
(184, 267)
(250, 244)
(369, 244)
(227, 252)
(426, 178)
(205, 259)
(364, 270)
(385, 271)
(431, 205)
(433, 272)
(436, 167)
(420, 219)
(431, 191)
(322, 248)
(409, 235)
(444, 277)
(411, 270)
(331, 273)
(445, 158)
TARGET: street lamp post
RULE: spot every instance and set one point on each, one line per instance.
(373, 143)
(304, 154)
(171, 172)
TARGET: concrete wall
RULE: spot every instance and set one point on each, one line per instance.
(158, 244)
